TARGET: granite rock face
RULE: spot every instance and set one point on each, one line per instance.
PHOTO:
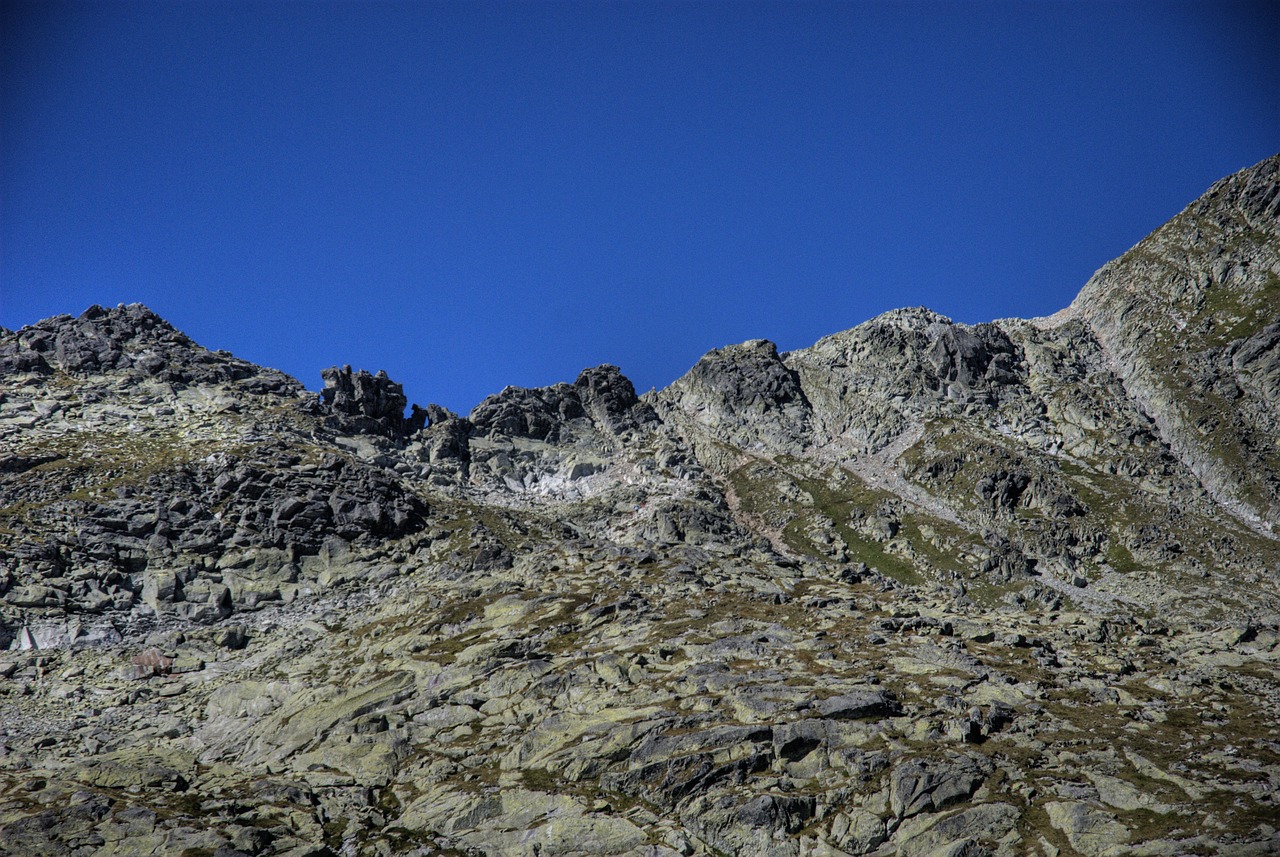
(363, 402)
(922, 588)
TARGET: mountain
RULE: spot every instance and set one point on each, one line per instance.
(922, 588)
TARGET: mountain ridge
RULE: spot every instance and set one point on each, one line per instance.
(921, 587)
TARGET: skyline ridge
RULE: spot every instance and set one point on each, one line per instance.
(471, 196)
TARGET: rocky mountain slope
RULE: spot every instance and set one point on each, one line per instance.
(922, 588)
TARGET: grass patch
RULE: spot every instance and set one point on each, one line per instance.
(539, 780)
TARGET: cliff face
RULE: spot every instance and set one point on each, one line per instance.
(1190, 318)
(921, 588)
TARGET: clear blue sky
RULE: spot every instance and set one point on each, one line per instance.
(471, 195)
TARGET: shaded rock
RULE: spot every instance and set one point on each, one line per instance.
(364, 402)
(858, 705)
(609, 398)
(928, 785)
(601, 398)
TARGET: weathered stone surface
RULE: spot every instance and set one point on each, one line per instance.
(918, 786)
(858, 705)
(1090, 831)
(743, 393)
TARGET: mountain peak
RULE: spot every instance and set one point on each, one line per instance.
(130, 342)
(1188, 319)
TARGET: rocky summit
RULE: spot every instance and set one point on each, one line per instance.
(920, 589)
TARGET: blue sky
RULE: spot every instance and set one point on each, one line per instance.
(470, 195)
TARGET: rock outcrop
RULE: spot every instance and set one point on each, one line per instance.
(363, 402)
